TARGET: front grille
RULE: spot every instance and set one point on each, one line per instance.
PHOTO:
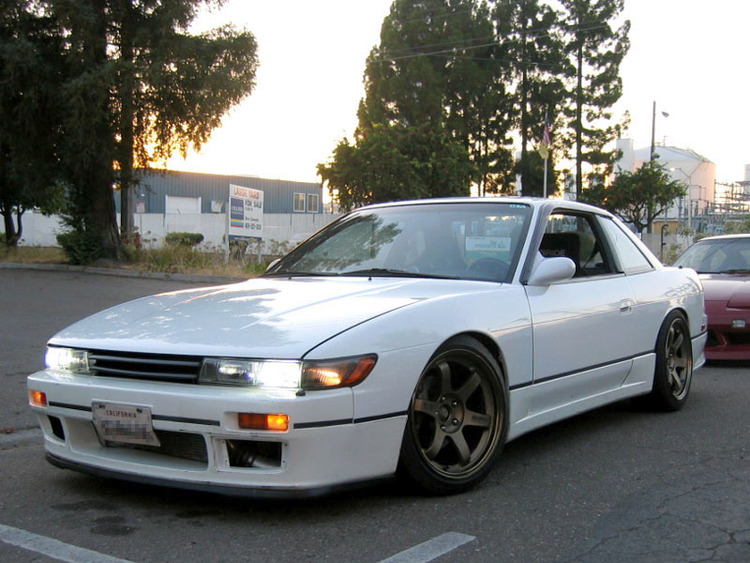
(153, 367)
(174, 444)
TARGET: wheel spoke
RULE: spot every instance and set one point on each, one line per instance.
(680, 362)
(445, 377)
(676, 382)
(437, 444)
(462, 448)
(676, 341)
(471, 384)
(472, 418)
(425, 406)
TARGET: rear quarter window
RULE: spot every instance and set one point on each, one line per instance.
(630, 258)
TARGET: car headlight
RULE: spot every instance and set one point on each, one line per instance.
(283, 374)
(251, 373)
(67, 359)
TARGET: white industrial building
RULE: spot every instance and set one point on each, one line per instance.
(684, 165)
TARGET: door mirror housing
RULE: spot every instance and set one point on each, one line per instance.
(547, 271)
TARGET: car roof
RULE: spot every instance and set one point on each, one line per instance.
(724, 237)
(535, 202)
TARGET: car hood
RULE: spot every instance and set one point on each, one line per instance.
(734, 289)
(265, 317)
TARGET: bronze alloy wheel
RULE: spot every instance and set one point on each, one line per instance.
(457, 419)
(679, 359)
(674, 364)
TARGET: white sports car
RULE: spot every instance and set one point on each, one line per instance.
(410, 339)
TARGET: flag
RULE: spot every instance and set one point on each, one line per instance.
(544, 146)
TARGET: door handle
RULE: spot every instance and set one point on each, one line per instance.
(626, 306)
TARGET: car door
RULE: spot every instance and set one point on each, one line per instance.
(582, 327)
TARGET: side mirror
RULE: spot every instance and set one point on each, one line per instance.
(552, 270)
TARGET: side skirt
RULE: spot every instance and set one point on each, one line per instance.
(540, 404)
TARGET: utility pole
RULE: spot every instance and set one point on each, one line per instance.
(653, 133)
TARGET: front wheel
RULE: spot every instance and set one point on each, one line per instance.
(457, 421)
(674, 364)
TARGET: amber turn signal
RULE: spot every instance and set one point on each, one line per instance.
(255, 421)
(37, 398)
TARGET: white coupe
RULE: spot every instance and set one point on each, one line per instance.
(410, 339)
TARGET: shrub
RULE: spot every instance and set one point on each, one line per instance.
(81, 247)
(183, 239)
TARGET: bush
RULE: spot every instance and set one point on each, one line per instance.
(183, 239)
(81, 247)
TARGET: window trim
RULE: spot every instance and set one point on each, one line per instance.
(649, 266)
(295, 199)
(311, 208)
(609, 258)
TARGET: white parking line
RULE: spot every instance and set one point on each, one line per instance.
(53, 548)
(431, 549)
(422, 553)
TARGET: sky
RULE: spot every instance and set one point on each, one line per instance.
(693, 62)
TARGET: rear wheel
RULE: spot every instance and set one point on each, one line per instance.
(674, 364)
(457, 421)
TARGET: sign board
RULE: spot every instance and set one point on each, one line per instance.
(245, 213)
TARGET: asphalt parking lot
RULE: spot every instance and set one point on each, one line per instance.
(616, 484)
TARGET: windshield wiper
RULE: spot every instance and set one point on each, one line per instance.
(387, 272)
(736, 271)
(295, 274)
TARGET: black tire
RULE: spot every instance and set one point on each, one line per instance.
(674, 364)
(458, 419)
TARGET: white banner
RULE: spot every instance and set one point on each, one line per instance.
(245, 213)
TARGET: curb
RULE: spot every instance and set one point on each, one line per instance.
(187, 278)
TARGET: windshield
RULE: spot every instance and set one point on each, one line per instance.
(477, 241)
(718, 256)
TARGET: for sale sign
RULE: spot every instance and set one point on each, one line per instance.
(245, 217)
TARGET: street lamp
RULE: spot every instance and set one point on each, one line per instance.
(653, 130)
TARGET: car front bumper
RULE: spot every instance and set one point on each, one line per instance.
(202, 446)
(728, 343)
(728, 332)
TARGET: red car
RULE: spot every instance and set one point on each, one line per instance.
(723, 263)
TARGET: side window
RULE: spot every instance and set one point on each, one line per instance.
(630, 257)
(573, 235)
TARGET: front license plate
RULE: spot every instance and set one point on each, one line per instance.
(124, 424)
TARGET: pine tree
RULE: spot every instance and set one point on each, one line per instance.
(435, 72)
(595, 49)
(530, 42)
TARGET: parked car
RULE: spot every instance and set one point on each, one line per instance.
(723, 263)
(410, 339)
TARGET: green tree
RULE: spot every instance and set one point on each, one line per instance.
(396, 162)
(637, 197)
(141, 87)
(30, 114)
(596, 50)
(529, 37)
(478, 105)
(433, 77)
(736, 227)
